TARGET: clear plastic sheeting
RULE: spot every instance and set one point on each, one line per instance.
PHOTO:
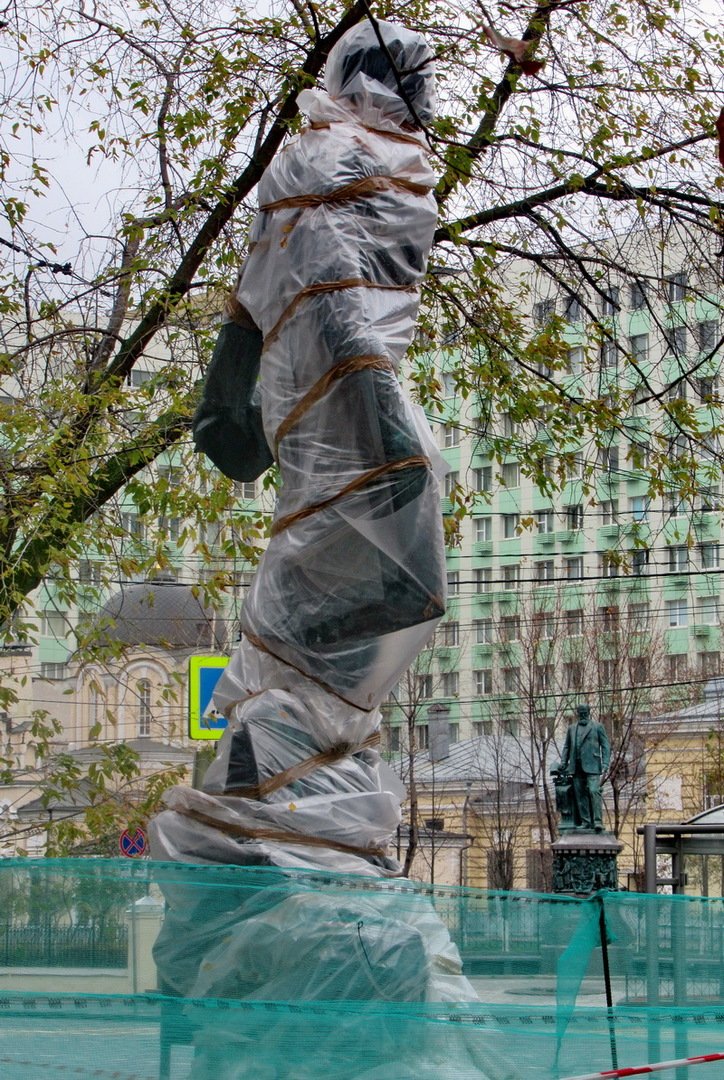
(133, 970)
(352, 583)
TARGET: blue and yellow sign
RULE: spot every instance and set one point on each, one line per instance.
(204, 721)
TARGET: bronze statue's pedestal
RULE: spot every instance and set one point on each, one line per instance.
(584, 861)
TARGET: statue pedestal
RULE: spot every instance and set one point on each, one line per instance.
(584, 862)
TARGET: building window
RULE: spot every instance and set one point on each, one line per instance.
(574, 365)
(453, 582)
(510, 628)
(545, 521)
(511, 576)
(483, 631)
(637, 295)
(611, 618)
(510, 525)
(609, 512)
(422, 736)
(245, 489)
(89, 573)
(450, 435)
(510, 427)
(677, 612)
(708, 390)
(638, 670)
(609, 354)
(707, 613)
(639, 347)
(573, 675)
(639, 616)
(423, 686)
(609, 565)
(543, 677)
(483, 579)
(511, 679)
(709, 556)
(483, 680)
(54, 624)
(574, 622)
(677, 667)
(454, 732)
(483, 478)
(572, 308)
(450, 683)
(510, 474)
(678, 559)
(639, 507)
(545, 571)
(707, 335)
(450, 633)
(640, 561)
(132, 525)
(544, 625)
(676, 340)
(610, 301)
(544, 310)
(143, 691)
(574, 516)
(450, 483)
(392, 733)
(709, 663)
(676, 286)
(52, 670)
(482, 727)
(573, 568)
(139, 376)
(608, 458)
(448, 384)
(170, 527)
(483, 530)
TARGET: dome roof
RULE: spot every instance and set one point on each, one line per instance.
(161, 613)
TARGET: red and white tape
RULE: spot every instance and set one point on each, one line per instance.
(641, 1070)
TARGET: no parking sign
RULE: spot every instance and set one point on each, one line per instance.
(132, 845)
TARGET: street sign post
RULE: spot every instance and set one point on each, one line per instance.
(204, 673)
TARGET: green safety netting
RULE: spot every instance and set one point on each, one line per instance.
(133, 969)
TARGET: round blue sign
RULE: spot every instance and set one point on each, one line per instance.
(132, 845)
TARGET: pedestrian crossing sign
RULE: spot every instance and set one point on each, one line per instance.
(204, 721)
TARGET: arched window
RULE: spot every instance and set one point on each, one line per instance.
(143, 690)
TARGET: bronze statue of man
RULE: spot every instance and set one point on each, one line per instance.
(586, 754)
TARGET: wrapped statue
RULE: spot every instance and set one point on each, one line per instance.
(352, 583)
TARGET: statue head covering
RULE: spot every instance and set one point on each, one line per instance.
(359, 72)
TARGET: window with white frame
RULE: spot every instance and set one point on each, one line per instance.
(510, 474)
(450, 483)
(574, 516)
(453, 582)
(573, 568)
(609, 354)
(575, 467)
(709, 663)
(450, 683)
(483, 681)
(511, 679)
(245, 489)
(639, 347)
(709, 556)
(639, 507)
(639, 616)
(708, 389)
(450, 633)
(609, 512)
(423, 685)
(145, 715)
(544, 310)
(139, 376)
(573, 675)
(170, 527)
(511, 576)
(483, 579)
(545, 521)
(483, 530)
(483, 631)
(677, 667)
(51, 670)
(544, 625)
(448, 384)
(545, 572)
(676, 340)
(510, 628)
(574, 363)
(450, 435)
(133, 525)
(610, 301)
(637, 295)
(608, 458)
(89, 572)
(483, 478)
(610, 617)
(707, 610)
(422, 736)
(510, 427)
(482, 727)
(574, 622)
(640, 561)
(608, 565)
(543, 677)
(54, 624)
(639, 670)
(572, 307)
(707, 335)
(678, 559)
(677, 612)
(511, 523)
(676, 286)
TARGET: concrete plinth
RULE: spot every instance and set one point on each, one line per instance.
(584, 862)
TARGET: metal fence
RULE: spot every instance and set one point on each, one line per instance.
(50, 945)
